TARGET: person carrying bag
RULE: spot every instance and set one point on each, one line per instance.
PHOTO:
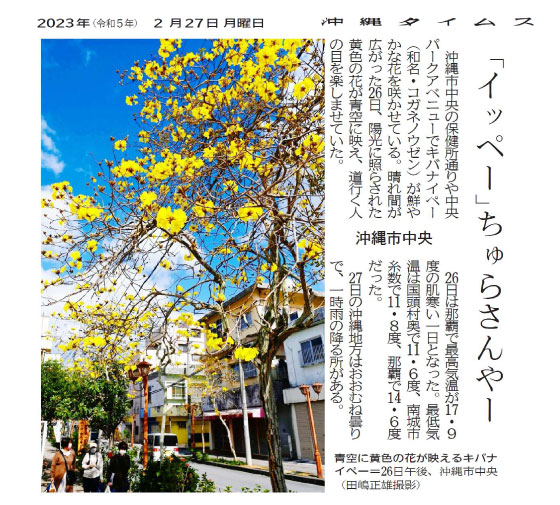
(63, 467)
(93, 470)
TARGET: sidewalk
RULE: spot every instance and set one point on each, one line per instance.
(301, 470)
(50, 450)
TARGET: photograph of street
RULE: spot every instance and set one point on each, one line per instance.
(182, 257)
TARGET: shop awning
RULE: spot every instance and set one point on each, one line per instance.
(252, 412)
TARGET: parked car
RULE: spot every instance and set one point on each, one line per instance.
(170, 445)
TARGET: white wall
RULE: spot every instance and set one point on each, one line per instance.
(296, 373)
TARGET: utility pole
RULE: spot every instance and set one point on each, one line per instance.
(188, 396)
(248, 456)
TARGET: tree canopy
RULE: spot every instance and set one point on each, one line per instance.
(99, 396)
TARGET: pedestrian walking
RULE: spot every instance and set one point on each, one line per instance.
(63, 467)
(93, 469)
(118, 470)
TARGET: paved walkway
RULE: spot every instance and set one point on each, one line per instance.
(297, 467)
(234, 480)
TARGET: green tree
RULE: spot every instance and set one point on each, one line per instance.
(106, 400)
(57, 401)
(99, 396)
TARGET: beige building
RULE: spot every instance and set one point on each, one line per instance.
(244, 313)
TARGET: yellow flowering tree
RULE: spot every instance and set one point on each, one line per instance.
(221, 188)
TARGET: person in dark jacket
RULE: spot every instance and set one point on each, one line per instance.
(118, 470)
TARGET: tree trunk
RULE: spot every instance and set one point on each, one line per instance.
(277, 479)
(230, 440)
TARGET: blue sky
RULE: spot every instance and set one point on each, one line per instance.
(83, 104)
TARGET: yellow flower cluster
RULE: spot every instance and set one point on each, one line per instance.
(152, 111)
(127, 168)
(249, 213)
(312, 249)
(272, 267)
(219, 297)
(172, 221)
(90, 213)
(203, 207)
(120, 145)
(213, 342)
(302, 88)
(82, 206)
(314, 143)
(246, 353)
(202, 112)
(167, 46)
(59, 189)
(162, 171)
(91, 246)
(209, 153)
(147, 198)
(231, 185)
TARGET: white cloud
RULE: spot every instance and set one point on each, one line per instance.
(50, 155)
(52, 162)
(46, 138)
(88, 53)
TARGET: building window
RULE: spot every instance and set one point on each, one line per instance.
(293, 317)
(219, 328)
(319, 314)
(198, 438)
(312, 352)
(182, 425)
(176, 391)
(249, 369)
(245, 321)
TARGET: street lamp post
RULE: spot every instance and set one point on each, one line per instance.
(143, 370)
(132, 431)
(304, 388)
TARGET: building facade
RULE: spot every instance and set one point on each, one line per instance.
(170, 398)
(244, 313)
(305, 360)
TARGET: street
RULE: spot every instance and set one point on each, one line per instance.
(237, 479)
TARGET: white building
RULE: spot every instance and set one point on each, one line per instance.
(305, 359)
(47, 340)
(184, 361)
